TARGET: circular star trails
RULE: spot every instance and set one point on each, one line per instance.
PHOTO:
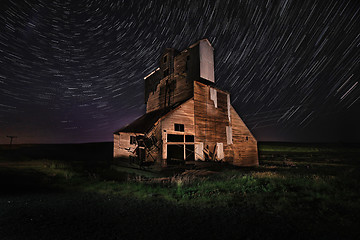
(72, 71)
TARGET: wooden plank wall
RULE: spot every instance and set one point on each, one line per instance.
(211, 126)
(245, 151)
(122, 146)
(210, 122)
(184, 114)
(116, 152)
(179, 87)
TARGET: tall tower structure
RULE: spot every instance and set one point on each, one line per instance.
(173, 81)
(187, 118)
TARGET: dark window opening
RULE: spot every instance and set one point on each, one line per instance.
(189, 138)
(132, 140)
(175, 153)
(175, 138)
(166, 72)
(247, 138)
(179, 127)
(165, 58)
(189, 151)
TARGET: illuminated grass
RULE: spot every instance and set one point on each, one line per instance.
(297, 185)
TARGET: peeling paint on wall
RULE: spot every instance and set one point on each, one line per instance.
(213, 96)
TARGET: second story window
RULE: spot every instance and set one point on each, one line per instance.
(179, 127)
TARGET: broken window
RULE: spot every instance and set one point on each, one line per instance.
(179, 127)
(175, 138)
(132, 140)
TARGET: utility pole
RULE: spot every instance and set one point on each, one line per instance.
(11, 139)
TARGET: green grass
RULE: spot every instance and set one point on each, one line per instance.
(290, 181)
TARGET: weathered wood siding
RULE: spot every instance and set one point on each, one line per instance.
(211, 123)
(184, 114)
(210, 119)
(116, 146)
(166, 91)
(207, 114)
(122, 146)
(244, 144)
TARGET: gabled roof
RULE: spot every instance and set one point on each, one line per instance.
(144, 123)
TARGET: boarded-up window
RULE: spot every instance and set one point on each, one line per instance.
(229, 135)
(219, 151)
(199, 151)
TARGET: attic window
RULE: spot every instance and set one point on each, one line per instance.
(165, 58)
(179, 127)
(166, 72)
(132, 140)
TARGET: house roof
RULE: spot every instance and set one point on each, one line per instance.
(144, 123)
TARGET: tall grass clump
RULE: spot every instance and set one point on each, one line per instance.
(58, 168)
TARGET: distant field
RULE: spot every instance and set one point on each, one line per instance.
(306, 191)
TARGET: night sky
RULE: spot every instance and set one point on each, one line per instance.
(72, 70)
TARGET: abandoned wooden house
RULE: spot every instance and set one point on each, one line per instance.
(187, 118)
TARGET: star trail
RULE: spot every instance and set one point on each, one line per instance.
(72, 71)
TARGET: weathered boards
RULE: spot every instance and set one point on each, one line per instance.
(187, 118)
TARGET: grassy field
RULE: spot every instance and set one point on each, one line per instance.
(299, 191)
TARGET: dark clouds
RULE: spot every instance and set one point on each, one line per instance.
(72, 71)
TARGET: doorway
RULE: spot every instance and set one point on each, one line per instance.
(189, 151)
(175, 153)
